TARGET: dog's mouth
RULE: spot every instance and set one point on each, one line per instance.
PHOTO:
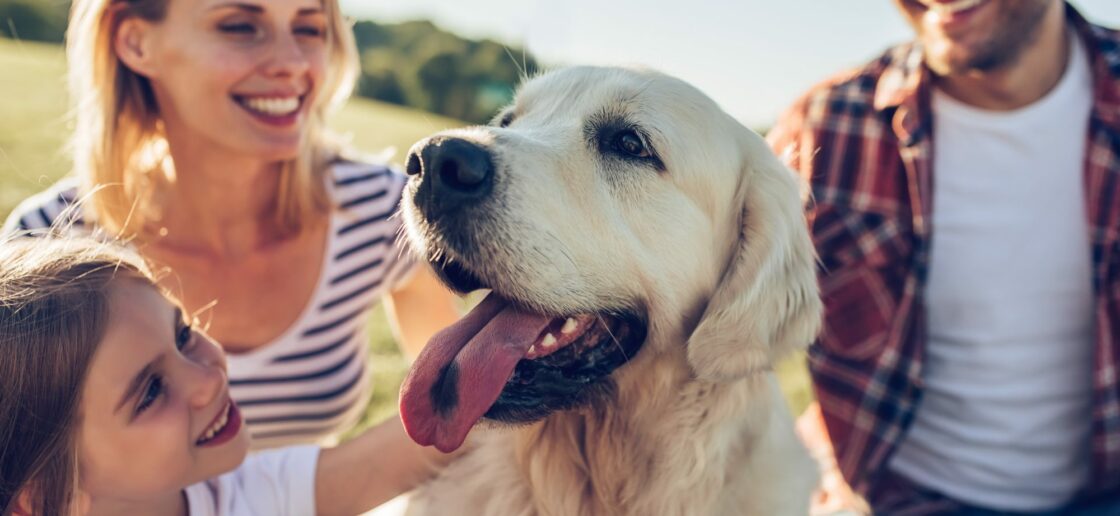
(505, 362)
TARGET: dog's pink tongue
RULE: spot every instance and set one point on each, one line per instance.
(462, 370)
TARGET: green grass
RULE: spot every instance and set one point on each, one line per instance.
(33, 128)
(33, 132)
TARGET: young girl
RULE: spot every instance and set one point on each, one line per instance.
(113, 402)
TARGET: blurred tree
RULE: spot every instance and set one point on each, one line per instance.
(380, 78)
(442, 78)
(36, 20)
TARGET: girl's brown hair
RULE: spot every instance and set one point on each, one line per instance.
(118, 140)
(53, 312)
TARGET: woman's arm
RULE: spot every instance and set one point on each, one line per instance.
(420, 308)
(372, 469)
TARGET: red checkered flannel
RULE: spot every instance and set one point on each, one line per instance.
(863, 141)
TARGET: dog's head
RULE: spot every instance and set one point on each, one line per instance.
(603, 207)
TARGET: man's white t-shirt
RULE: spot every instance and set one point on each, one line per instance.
(1004, 419)
(271, 483)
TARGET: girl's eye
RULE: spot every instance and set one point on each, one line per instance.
(151, 394)
(183, 337)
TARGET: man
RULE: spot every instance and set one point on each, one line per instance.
(966, 208)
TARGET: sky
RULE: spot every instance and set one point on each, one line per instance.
(754, 57)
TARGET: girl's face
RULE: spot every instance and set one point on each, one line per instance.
(156, 415)
(241, 75)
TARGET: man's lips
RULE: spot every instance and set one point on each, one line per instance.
(954, 19)
(948, 9)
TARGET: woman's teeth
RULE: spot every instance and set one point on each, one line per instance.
(272, 106)
(218, 425)
(951, 7)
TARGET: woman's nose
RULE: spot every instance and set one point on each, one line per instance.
(288, 58)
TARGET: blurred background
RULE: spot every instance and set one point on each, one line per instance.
(428, 65)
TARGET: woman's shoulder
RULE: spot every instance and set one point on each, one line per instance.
(53, 208)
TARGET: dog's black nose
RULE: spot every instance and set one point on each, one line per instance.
(453, 171)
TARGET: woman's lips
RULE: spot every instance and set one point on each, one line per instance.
(274, 110)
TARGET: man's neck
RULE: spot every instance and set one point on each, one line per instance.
(1020, 83)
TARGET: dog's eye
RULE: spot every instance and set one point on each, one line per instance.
(630, 143)
(506, 119)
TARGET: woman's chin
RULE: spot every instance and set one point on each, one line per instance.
(273, 150)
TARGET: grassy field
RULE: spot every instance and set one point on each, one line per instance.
(34, 128)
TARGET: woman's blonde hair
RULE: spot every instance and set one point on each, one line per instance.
(53, 314)
(118, 140)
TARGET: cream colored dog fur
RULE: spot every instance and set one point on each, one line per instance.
(706, 241)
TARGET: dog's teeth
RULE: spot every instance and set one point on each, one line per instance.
(569, 326)
(532, 349)
(549, 341)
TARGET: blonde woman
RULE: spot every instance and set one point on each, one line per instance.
(200, 137)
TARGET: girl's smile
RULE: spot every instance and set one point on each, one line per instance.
(225, 427)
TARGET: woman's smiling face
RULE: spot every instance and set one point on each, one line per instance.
(241, 75)
(156, 414)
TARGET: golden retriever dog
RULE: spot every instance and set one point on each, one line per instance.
(647, 261)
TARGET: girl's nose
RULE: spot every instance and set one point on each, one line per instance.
(206, 373)
(207, 383)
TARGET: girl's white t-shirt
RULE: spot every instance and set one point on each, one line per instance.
(272, 483)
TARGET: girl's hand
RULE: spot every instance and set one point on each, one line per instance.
(373, 468)
(833, 497)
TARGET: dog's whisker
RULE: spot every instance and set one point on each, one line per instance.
(560, 247)
(520, 66)
(614, 339)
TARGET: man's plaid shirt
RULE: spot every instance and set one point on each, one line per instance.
(863, 142)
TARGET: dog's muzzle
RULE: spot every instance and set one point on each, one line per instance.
(454, 174)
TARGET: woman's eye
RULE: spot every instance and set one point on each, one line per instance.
(630, 143)
(151, 394)
(239, 29)
(312, 31)
(183, 337)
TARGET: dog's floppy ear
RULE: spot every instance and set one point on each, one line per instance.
(767, 302)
